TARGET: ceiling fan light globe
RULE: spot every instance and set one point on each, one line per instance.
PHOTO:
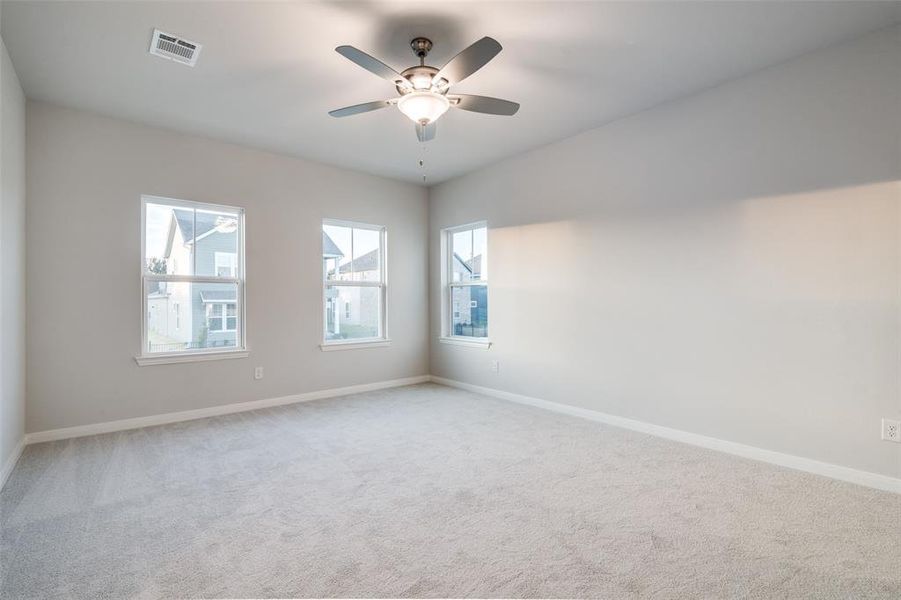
(423, 107)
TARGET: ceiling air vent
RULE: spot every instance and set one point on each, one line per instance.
(174, 48)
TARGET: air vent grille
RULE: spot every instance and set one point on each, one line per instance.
(171, 47)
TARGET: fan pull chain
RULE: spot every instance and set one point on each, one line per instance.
(422, 162)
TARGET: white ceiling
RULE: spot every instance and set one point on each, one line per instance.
(268, 72)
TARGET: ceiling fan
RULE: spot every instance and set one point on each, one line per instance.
(423, 90)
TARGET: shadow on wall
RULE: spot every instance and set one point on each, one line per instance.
(571, 191)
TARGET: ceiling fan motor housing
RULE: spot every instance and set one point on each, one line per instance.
(421, 78)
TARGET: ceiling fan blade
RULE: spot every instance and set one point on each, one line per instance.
(425, 133)
(468, 62)
(360, 108)
(484, 104)
(373, 65)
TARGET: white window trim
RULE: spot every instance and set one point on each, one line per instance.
(189, 356)
(146, 358)
(356, 345)
(448, 285)
(359, 343)
(460, 340)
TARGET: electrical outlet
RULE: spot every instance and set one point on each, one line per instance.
(494, 366)
(258, 373)
(891, 430)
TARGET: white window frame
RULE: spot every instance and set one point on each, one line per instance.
(371, 342)
(448, 284)
(146, 358)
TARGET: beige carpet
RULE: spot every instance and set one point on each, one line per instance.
(430, 491)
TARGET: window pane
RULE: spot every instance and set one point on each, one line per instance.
(352, 312)
(336, 252)
(168, 237)
(217, 243)
(366, 255)
(480, 253)
(461, 255)
(200, 318)
(469, 316)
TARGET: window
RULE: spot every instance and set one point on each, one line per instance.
(193, 279)
(353, 279)
(226, 264)
(466, 284)
(222, 317)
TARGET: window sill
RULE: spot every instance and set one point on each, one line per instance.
(329, 347)
(166, 359)
(480, 343)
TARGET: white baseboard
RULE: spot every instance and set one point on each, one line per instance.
(10, 463)
(865, 478)
(213, 411)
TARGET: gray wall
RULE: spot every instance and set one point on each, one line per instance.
(12, 260)
(86, 175)
(727, 264)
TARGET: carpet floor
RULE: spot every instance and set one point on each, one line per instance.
(430, 491)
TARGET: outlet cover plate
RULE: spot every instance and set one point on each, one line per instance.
(891, 430)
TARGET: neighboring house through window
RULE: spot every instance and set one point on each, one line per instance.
(193, 277)
(353, 283)
(466, 283)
